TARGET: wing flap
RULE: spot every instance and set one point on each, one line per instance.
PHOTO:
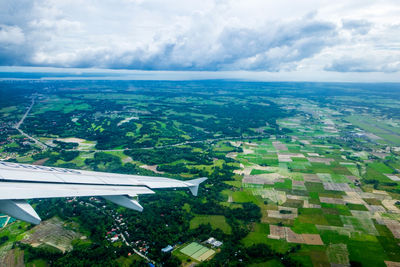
(31, 173)
(26, 175)
(14, 190)
(77, 178)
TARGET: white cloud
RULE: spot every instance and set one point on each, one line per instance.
(11, 35)
(286, 35)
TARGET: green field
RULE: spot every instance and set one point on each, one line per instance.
(379, 128)
(216, 222)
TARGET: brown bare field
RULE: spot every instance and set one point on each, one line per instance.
(284, 158)
(279, 146)
(231, 155)
(393, 177)
(279, 232)
(392, 264)
(332, 200)
(337, 187)
(354, 198)
(40, 161)
(375, 208)
(52, 233)
(247, 151)
(152, 168)
(277, 214)
(71, 140)
(13, 258)
(394, 226)
(267, 178)
(291, 155)
(292, 237)
(276, 232)
(313, 178)
(297, 183)
(312, 239)
(326, 161)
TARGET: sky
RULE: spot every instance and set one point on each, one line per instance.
(341, 40)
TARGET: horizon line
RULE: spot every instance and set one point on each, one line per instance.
(56, 73)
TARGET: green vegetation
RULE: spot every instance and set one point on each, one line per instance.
(298, 173)
(216, 222)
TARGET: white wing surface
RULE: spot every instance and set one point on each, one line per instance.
(22, 181)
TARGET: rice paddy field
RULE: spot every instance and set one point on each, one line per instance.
(328, 197)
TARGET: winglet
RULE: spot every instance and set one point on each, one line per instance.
(194, 185)
(19, 209)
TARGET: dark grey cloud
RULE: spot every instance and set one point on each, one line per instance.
(14, 17)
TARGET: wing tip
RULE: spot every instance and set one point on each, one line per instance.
(194, 185)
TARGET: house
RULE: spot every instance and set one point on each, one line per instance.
(212, 241)
(167, 249)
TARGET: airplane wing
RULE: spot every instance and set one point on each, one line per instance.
(22, 181)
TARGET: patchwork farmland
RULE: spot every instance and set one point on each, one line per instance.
(298, 174)
(320, 195)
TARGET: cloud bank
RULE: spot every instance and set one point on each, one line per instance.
(211, 35)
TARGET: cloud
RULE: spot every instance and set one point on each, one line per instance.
(210, 35)
(11, 35)
(364, 65)
(12, 50)
(271, 47)
(357, 26)
(275, 47)
(16, 12)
